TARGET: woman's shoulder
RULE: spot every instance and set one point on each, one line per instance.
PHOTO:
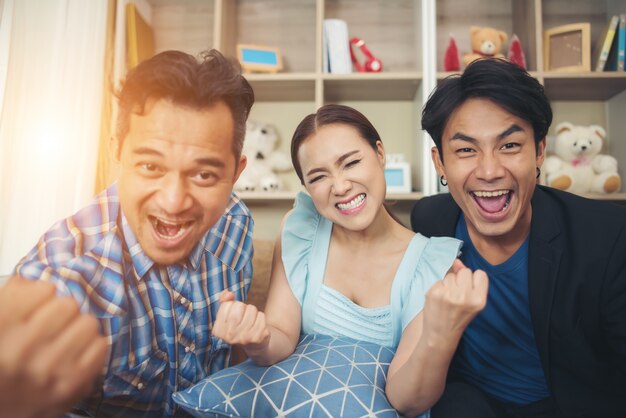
(301, 227)
(298, 236)
(302, 220)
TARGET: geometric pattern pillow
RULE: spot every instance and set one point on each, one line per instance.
(325, 377)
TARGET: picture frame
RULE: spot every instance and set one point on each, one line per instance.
(258, 58)
(567, 48)
(398, 177)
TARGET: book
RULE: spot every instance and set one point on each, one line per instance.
(611, 60)
(621, 42)
(337, 47)
(603, 46)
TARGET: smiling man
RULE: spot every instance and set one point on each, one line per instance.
(150, 255)
(551, 341)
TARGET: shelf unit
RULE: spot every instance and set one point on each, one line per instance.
(582, 98)
(410, 37)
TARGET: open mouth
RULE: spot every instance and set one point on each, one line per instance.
(169, 230)
(493, 201)
(352, 204)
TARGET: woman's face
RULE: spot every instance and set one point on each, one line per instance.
(344, 175)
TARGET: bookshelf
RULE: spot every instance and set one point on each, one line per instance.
(410, 37)
(583, 98)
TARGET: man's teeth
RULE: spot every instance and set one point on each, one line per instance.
(495, 193)
(352, 204)
(170, 230)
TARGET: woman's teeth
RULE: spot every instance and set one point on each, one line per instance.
(352, 204)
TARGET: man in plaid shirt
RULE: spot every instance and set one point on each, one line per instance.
(151, 254)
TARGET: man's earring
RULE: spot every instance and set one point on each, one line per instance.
(538, 172)
(443, 181)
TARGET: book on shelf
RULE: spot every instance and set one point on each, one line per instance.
(621, 42)
(611, 60)
(603, 46)
(336, 47)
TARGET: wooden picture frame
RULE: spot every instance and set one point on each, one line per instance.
(257, 58)
(567, 48)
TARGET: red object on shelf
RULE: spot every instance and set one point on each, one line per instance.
(371, 63)
(516, 52)
(451, 60)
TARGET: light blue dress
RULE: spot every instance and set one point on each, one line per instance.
(305, 242)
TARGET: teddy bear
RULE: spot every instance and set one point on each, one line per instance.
(264, 160)
(486, 42)
(578, 165)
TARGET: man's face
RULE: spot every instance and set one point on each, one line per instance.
(490, 163)
(177, 173)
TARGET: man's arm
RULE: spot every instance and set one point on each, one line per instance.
(50, 354)
(417, 373)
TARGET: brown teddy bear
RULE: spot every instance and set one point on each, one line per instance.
(486, 43)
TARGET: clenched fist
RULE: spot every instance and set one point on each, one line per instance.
(453, 302)
(50, 353)
(240, 323)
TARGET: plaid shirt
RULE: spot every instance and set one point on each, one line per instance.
(157, 318)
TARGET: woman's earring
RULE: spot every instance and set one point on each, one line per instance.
(538, 172)
(443, 181)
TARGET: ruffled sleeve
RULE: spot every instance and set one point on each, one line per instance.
(434, 262)
(298, 236)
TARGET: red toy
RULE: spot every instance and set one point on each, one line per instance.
(516, 52)
(451, 60)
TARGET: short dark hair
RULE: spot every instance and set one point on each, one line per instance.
(328, 115)
(504, 83)
(187, 81)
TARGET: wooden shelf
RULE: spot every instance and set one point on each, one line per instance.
(584, 86)
(609, 196)
(413, 196)
(337, 87)
(371, 86)
(288, 196)
(574, 86)
(283, 86)
(267, 196)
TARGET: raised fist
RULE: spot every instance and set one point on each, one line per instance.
(454, 301)
(240, 323)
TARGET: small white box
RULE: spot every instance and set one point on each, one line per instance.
(398, 177)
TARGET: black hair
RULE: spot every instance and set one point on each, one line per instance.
(504, 83)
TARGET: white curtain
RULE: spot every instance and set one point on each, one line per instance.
(50, 115)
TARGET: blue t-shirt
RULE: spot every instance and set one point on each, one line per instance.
(498, 352)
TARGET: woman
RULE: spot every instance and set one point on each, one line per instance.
(343, 265)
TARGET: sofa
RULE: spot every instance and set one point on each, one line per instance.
(262, 266)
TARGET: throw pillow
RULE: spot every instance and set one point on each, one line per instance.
(325, 377)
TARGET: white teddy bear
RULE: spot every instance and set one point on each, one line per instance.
(578, 165)
(263, 159)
